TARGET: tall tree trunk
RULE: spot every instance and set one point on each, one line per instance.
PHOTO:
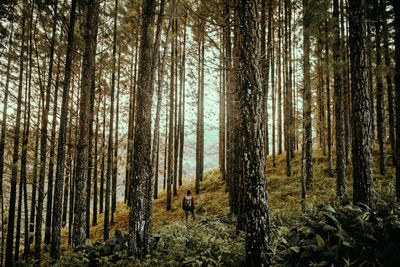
(200, 108)
(161, 62)
(103, 156)
(3, 140)
(176, 125)
(287, 105)
(171, 122)
(389, 84)
(52, 139)
(25, 137)
(307, 136)
(93, 35)
(182, 106)
(328, 100)
(110, 131)
(279, 55)
(339, 106)
(139, 238)
(273, 92)
(58, 187)
(14, 166)
(96, 164)
(252, 129)
(360, 96)
(115, 159)
(82, 168)
(380, 98)
(346, 89)
(397, 90)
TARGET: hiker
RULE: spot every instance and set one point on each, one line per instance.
(188, 205)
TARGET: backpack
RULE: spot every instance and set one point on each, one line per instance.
(188, 202)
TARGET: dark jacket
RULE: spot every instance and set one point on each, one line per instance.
(188, 203)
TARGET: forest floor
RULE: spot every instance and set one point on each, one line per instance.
(284, 193)
(212, 208)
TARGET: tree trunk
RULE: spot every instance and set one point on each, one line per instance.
(279, 83)
(388, 77)
(52, 139)
(110, 131)
(339, 106)
(171, 123)
(397, 90)
(2, 142)
(58, 187)
(182, 105)
(115, 159)
(380, 98)
(103, 156)
(252, 129)
(82, 168)
(360, 95)
(307, 136)
(161, 62)
(328, 100)
(96, 164)
(139, 238)
(14, 166)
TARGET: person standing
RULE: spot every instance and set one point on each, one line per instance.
(188, 205)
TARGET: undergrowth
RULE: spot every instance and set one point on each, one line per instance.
(330, 233)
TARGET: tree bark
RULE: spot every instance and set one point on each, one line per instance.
(307, 136)
(14, 166)
(139, 238)
(360, 95)
(339, 106)
(252, 129)
(328, 100)
(397, 90)
(380, 98)
(58, 188)
(110, 130)
(389, 84)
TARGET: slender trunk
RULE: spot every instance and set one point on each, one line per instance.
(115, 159)
(161, 71)
(82, 167)
(110, 132)
(339, 106)
(103, 156)
(96, 164)
(93, 24)
(58, 188)
(307, 136)
(279, 55)
(182, 105)
(346, 89)
(171, 123)
(389, 84)
(397, 91)
(3, 140)
(380, 98)
(14, 166)
(51, 163)
(328, 100)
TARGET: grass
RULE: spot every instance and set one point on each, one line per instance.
(284, 194)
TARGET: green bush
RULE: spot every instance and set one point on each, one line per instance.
(208, 241)
(342, 236)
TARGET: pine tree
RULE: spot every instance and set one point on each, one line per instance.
(361, 122)
(58, 186)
